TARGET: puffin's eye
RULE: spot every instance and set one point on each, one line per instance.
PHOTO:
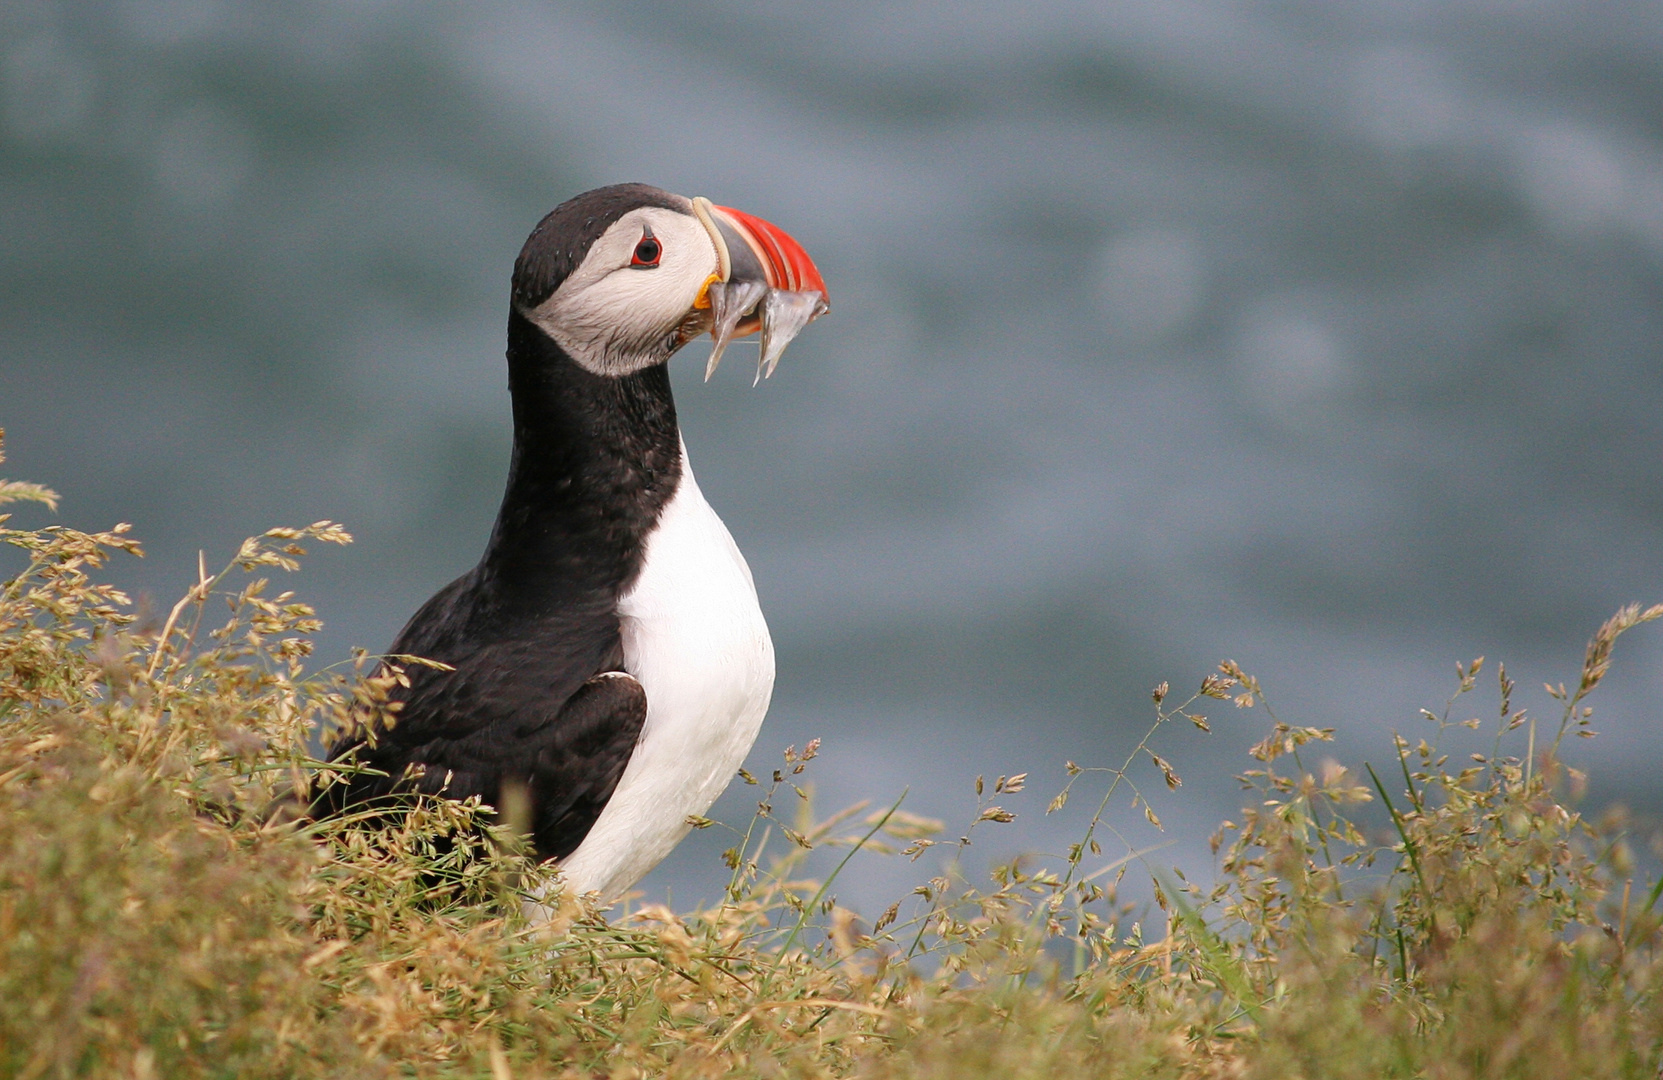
(647, 252)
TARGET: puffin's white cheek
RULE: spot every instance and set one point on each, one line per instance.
(629, 320)
(635, 307)
(656, 298)
(614, 319)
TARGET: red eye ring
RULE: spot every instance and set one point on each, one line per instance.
(647, 252)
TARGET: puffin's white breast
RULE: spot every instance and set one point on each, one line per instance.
(694, 637)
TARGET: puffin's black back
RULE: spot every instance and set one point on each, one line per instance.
(528, 630)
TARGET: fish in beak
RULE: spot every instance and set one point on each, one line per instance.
(764, 281)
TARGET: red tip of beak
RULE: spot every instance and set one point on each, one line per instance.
(789, 266)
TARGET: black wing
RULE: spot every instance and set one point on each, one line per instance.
(582, 758)
(538, 702)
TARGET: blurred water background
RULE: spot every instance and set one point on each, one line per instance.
(1321, 335)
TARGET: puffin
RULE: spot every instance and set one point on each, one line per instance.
(607, 656)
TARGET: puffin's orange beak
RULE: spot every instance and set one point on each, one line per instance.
(764, 281)
(784, 261)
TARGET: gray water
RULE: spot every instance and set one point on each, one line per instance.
(1319, 335)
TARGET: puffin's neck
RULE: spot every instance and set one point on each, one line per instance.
(595, 460)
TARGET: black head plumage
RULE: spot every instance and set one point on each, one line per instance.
(558, 243)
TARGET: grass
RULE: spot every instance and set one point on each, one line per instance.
(163, 913)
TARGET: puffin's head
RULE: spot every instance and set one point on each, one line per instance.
(623, 276)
